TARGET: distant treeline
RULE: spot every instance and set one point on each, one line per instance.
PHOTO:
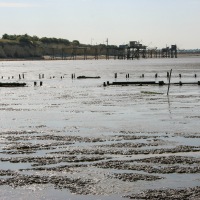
(34, 39)
(26, 46)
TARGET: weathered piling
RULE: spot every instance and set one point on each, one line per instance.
(12, 84)
(19, 76)
(161, 83)
(88, 77)
(156, 75)
(104, 84)
(195, 75)
(179, 75)
(115, 75)
(23, 76)
(134, 83)
(35, 83)
(41, 83)
(39, 76)
(169, 81)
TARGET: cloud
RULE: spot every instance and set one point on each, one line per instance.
(15, 5)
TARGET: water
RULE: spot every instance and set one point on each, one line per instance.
(76, 102)
(85, 108)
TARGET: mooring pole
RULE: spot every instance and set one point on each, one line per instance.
(169, 81)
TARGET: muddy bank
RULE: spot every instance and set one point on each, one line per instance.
(78, 186)
(47, 160)
(125, 165)
(173, 194)
(130, 177)
(129, 151)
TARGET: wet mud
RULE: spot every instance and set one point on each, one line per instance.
(78, 186)
(130, 177)
(100, 142)
(117, 152)
(173, 194)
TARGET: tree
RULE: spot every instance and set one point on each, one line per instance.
(35, 38)
(9, 37)
(76, 43)
(5, 36)
(24, 39)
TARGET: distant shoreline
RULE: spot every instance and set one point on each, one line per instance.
(185, 55)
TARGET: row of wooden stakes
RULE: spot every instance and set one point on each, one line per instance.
(73, 76)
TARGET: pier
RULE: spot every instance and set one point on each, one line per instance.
(133, 50)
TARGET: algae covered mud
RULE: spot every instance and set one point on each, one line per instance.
(75, 139)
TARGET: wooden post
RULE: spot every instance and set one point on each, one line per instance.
(161, 83)
(169, 81)
(167, 74)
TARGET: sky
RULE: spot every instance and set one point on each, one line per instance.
(155, 23)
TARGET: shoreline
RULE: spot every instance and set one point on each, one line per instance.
(88, 58)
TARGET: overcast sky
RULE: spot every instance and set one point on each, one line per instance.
(156, 23)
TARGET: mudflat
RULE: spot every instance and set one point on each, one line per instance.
(76, 139)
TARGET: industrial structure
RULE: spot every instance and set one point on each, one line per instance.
(133, 50)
